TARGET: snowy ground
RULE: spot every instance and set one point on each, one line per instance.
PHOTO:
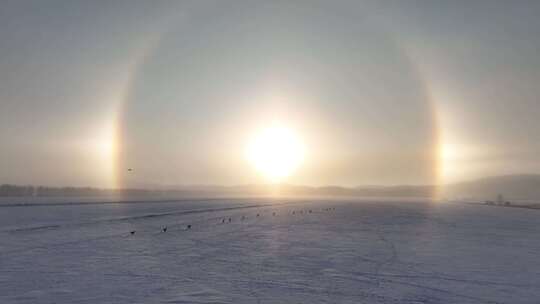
(361, 252)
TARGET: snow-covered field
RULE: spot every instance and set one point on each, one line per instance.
(362, 252)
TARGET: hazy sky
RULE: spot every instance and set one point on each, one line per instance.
(380, 92)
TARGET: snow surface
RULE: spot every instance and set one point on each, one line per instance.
(364, 251)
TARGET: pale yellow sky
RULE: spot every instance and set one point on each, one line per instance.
(377, 92)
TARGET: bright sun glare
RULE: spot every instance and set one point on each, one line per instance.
(275, 152)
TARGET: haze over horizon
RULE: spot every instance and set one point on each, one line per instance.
(352, 92)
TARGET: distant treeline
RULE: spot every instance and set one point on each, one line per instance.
(13, 190)
(520, 187)
(41, 191)
(249, 190)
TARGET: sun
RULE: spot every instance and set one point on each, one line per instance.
(275, 152)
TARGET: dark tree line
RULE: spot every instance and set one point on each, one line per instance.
(13, 190)
(16, 190)
(42, 191)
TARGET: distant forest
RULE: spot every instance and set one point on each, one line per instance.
(246, 190)
(25, 191)
(520, 187)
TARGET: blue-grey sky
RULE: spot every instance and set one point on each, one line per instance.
(379, 92)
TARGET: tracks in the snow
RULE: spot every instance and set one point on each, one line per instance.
(134, 218)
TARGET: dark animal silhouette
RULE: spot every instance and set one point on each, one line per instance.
(132, 232)
(164, 229)
(223, 221)
(188, 226)
(257, 215)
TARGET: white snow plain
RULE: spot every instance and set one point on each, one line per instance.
(364, 251)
